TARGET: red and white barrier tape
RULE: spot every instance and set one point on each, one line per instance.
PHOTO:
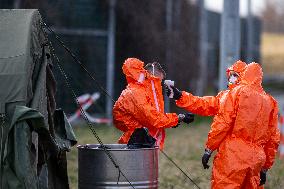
(86, 100)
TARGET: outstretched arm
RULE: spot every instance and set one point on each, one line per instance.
(206, 106)
(148, 115)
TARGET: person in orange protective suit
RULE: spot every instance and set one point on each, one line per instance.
(245, 133)
(139, 111)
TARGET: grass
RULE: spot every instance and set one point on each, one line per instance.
(184, 144)
(272, 52)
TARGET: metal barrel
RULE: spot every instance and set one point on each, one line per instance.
(96, 171)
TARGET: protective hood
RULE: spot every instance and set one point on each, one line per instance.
(252, 75)
(134, 71)
(237, 67)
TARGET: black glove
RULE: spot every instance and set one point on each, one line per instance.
(262, 177)
(177, 93)
(141, 138)
(180, 119)
(189, 117)
(205, 158)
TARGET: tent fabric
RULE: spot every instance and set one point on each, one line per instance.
(28, 82)
(18, 169)
(16, 56)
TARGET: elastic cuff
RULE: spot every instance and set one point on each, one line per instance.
(264, 170)
(208, 151)
(180, 117)
(178, 97)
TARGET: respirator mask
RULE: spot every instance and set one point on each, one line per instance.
(233, 78)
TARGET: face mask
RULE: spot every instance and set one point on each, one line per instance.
(141, 78)
(233, 79)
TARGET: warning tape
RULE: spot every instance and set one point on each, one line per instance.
(86, 100)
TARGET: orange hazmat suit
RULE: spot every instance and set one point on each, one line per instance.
(245, 133)
(141, 104)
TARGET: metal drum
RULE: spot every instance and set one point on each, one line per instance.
(96, 171)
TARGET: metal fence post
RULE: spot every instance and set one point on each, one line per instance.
(229, 39)
(250, 37)
(169, 28)
(202, 80)
(110, 56)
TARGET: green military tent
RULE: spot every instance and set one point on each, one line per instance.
(35, 136)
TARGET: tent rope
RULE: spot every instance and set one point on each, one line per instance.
(78, 62)
(171, 160)
(90, 124)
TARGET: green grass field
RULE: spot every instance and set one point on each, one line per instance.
(184, 144)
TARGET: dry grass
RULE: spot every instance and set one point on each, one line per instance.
(272, 50)
(184, 145)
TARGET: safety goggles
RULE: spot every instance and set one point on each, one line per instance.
(156, 70)
(232, 73)
(233, 77)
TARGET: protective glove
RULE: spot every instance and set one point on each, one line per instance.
(205, 158)
(189, 117)
(180, 119)
(177, 93)
(186, 118)
(262, 177)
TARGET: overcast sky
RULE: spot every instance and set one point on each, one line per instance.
(217, 5)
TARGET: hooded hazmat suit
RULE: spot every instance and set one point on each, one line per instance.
(244, 131)
(141, 104)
